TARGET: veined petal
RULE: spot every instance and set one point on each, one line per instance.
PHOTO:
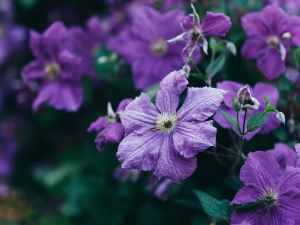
(200, 103)
(190, 138)
(188, 50)
(271, 64)
(293, 27)
(37, 46)
(187, 22)
(98, 125)
(204, 44)
(34, 70)
(254, 26)
(178, 38)
(216, 24)
(140, 151)
(261, 170)
(282, 51)
(122, 105)
(232, 88)
(170, 164)
(196, 19)
(253, 47)
(113, 133)
(170, 88)
(70, 66)
(247, 194)
(140, 115)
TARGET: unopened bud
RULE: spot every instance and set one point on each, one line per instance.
(245, 99)
(231, 47)
(280, 116)
(287, 35)
(187, 70)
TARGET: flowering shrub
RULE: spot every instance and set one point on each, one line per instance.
(149, 112)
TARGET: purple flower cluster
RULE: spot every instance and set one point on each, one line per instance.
(162, 138)
(265, 30)
(109, 130)
(263, 178)
(144, 45)
(258, 92)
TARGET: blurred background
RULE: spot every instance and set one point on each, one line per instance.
(50, 170)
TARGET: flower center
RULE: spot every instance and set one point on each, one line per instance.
(273, 41)
(166, 122)
(159, 47)
(270, 194)
(196, 34)
(52, 70)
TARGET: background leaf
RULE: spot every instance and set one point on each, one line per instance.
(217, 65)
(230, 119)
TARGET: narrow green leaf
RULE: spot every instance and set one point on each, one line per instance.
(250, 204)
(217, 65)
(218, 47)
(256, 121)
(230, 119)
(295, 56)
(216, 208)
(198, 76)
(271, 108)
(212, 43)
(236, 105)
(267, 100)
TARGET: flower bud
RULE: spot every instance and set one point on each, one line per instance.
(187, 70)
(280, 116)
(231, 47)
(287, 35)
(245, 99)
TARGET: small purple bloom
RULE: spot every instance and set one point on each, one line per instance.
(285, 156)
(258, 92)
(85, 43)
(265, 30)
(56, 67)
(109, 130)
(123, 175)
(163, 190)
(162, 138)
(213, 24)
(263, 179)
(144, 46)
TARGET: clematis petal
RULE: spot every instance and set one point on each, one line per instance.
(187, 22)
(170, 164)
(253, 47)
(37, 46)
(180, 37)
(261, 170)
(95, 31)
(140, 115)
(56, 39)
(271, 64)
(60, 95)
(170, 88)
(204, 44)
(70, 66)
(196, 19)
(98, 125)
(232, 88)
(113, 133)
(138, 151)
(188, 50)
(122, 105)
(190, 138)
(200, 103)
(292, 26)
(297, 147)
(34, 70)
(247, 194)
(254, 26)
(216, 24)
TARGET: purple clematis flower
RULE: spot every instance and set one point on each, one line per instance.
(85, 43)
(161, 138)
(144, 46)
(258, 92)
(213, 24)
(265, 30)
(263, 179)
(290, 5)
(58, 69)
(109, 130)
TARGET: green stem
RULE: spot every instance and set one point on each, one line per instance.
(197, 69)
(238, 122)
(210, 68)
(243, 134)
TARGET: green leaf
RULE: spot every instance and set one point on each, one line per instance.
(218, 47)
(198, 76)
(295, 56)
(250, 204)
(216, 208)
(236, 105)
(256, 121)
(152, 91)
(212, 43)
(271, 108)
(217, 65)
(267, 100)
(231, 120)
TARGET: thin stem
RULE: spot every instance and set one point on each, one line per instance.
(234, 142)
(244, 124)
(210, 69)
(228, 149)
(222, 155)
(238, 122)
(197, 69)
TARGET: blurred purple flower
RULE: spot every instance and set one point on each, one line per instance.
(153, 181)
(123, 175)
(85, 43)
(290, 5)
(213, 24)
(58, 69)
(144, 46)
(265, 30)
(109, 130)
(263, 180)
(163, 190)
(258, 92)
(285, 156)
(6, 10)
(158, 137)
